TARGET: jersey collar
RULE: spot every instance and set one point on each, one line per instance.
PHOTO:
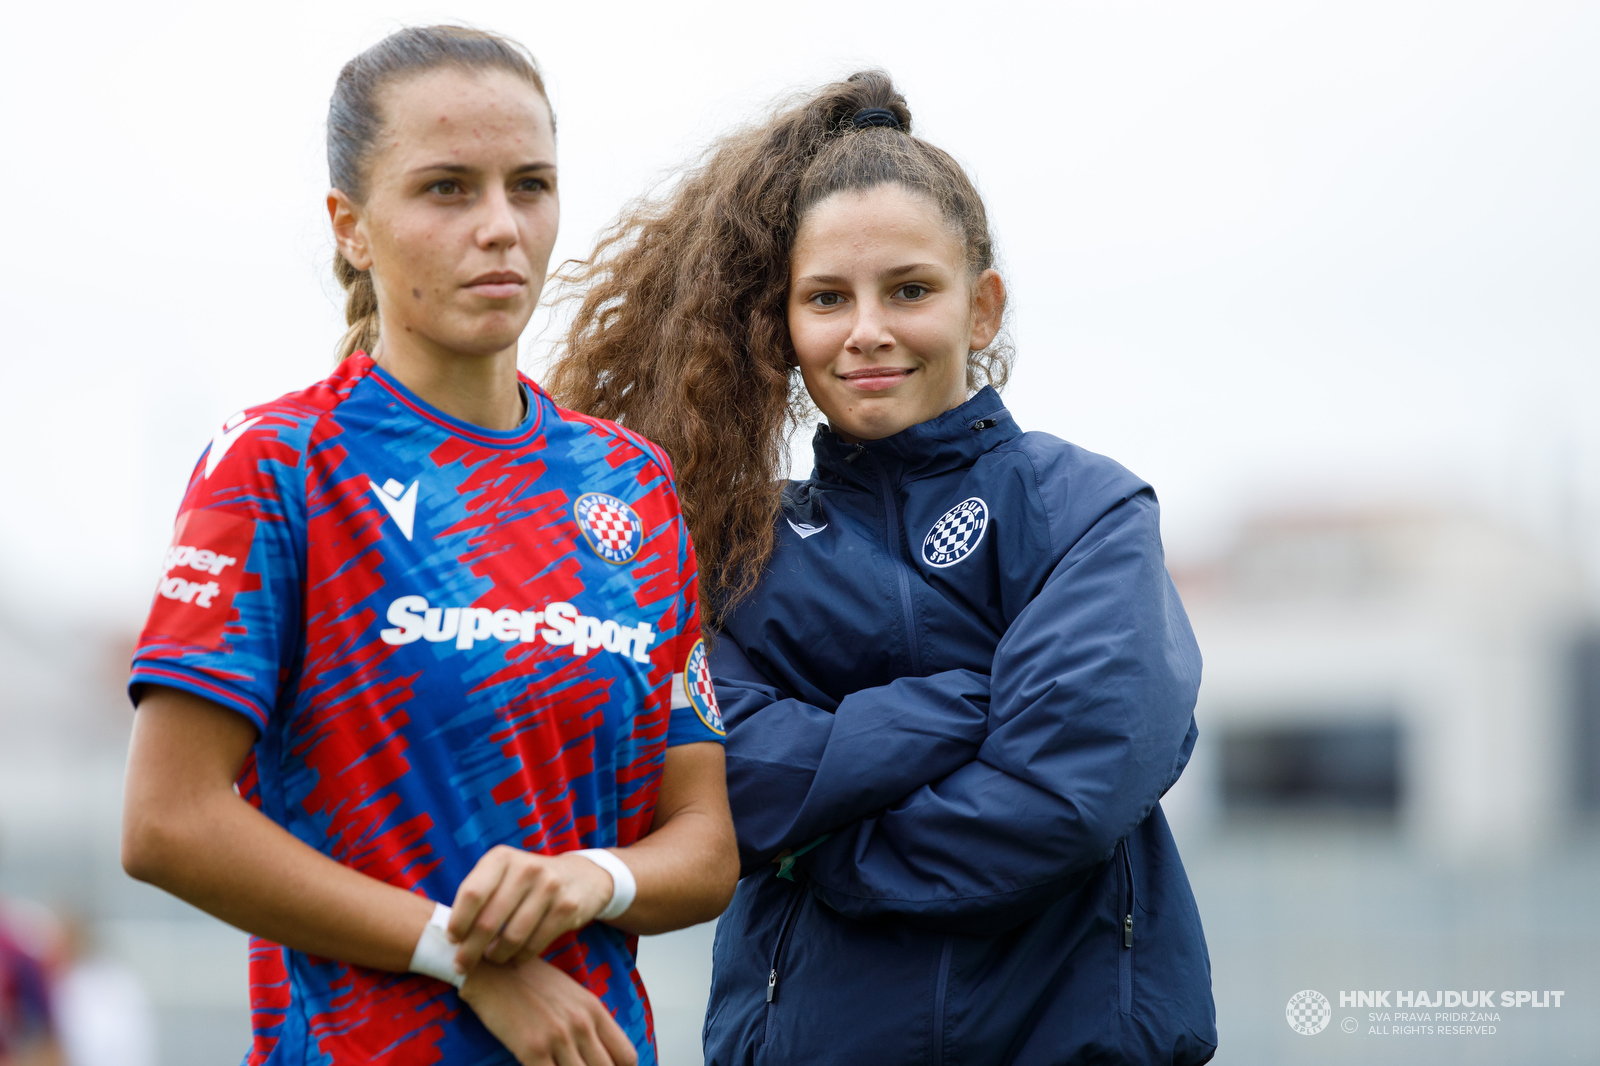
(488, 438)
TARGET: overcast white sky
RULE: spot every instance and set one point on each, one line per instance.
(1263, 253)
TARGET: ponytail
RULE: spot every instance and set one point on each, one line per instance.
(360, 308)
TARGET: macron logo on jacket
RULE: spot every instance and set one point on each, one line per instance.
(804, 529)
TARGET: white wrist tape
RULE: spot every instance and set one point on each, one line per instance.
(623, 886)
(436, 953)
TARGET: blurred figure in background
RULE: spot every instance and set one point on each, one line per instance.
(27, 1033)
(103, 1014)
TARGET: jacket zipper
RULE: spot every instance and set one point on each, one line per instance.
(1125, 956)
(892, 518)
(783, 939)
(1127, 921)
(941, 990)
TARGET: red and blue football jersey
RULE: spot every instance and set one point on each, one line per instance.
(449, 638)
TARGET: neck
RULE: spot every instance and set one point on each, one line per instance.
(479, 389)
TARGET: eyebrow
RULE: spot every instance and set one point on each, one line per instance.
(897, 272)
(461, 168)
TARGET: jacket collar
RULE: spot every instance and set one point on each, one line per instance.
(951, 441)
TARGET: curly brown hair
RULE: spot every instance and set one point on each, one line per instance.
(681, 328)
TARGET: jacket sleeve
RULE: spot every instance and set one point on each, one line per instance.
(796, 771)
(1092, 711)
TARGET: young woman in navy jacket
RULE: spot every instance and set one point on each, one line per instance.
(956, 677)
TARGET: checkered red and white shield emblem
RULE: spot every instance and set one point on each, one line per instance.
(611, 527)
(697, 684)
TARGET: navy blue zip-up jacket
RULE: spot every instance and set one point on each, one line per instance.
(967, 668)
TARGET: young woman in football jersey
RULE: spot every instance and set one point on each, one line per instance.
(956, 677)
(426, 638)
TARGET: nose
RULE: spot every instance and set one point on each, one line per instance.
(497, 228)
(869, 330)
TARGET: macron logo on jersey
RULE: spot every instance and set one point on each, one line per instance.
(231, 431)
(399, 501)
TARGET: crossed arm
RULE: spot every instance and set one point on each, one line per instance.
(965, 801)
(185, 830)
(796, 771)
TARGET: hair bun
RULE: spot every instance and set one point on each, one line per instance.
(875, 116)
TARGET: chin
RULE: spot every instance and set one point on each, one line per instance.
(879, 428)
(487, 338)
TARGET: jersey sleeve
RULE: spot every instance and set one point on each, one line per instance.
(226, 608)
(695, 716)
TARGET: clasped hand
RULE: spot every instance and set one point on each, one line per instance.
(514, 903)
(508, 910)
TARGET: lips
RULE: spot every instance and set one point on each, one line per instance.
(877, 378)
(498, 284)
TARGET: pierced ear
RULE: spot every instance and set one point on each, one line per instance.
(988, 309)
(349, 233)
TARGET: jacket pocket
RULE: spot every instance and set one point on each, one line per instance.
(1125, 901)
(790, 914)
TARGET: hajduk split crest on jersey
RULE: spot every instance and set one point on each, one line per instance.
(443, 649)
(609, 525)
(698, 692)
